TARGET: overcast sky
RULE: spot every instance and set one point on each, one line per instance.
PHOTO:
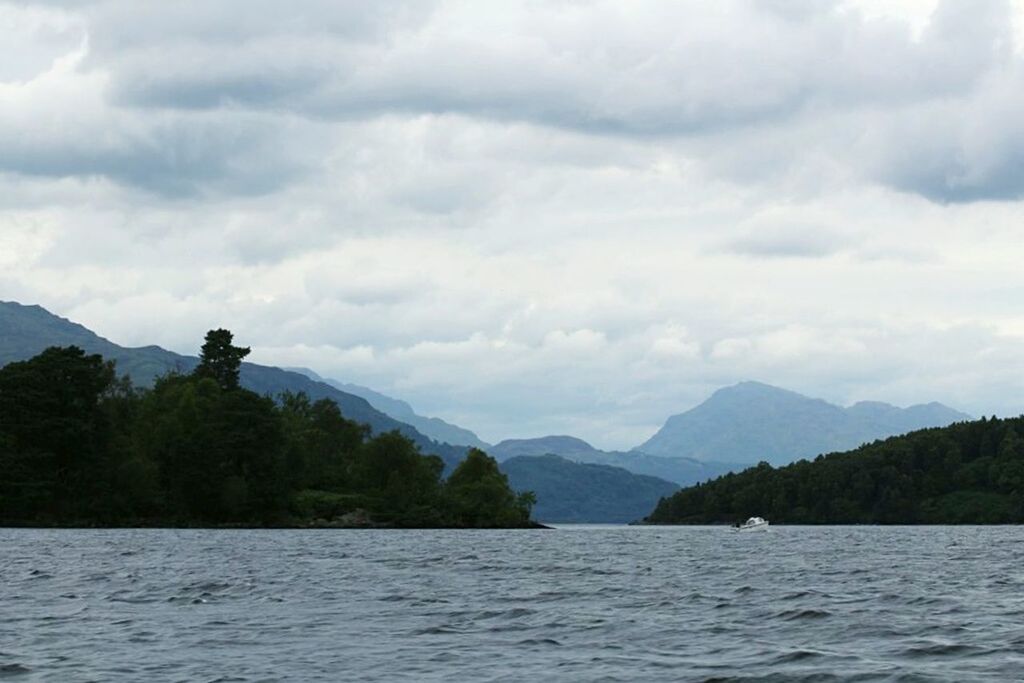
(533, 217)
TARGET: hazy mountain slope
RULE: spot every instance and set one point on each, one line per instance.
(433, 427)
(25, 331)
(682, 471)
(568, 447)
(750, 422)
(582, 492)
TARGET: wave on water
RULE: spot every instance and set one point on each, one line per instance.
(617, 604)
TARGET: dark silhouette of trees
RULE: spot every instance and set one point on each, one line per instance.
(54, 433)
(78, 446)
(481, 496)
(220, 360)
(970, 472)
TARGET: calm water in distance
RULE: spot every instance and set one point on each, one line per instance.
(575, 604)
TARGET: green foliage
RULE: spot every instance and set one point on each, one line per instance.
(481, 497)
(584, 492)
(79, 447)
(25, 331)
(316, 504)
(967, 473)
(319, 442)
(220, 360)
(391, 467)
(54, 433)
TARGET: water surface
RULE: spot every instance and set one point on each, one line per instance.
(577, 603)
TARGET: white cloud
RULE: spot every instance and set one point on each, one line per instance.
(560, 217)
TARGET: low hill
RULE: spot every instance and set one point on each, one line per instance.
(682, 471)
(967, 473)
(26, 331)
(751, 422)
(579, 492)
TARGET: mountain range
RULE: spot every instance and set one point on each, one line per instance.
(750, 422)
(28, 330)
(433, 427)
(737, 426)
(682, 471)
(599, 494)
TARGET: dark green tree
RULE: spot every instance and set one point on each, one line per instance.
(405, 484)
(55, 434)
(220, 360)
(481, 496)
(79, 447)
(219, 452)
(320, 443)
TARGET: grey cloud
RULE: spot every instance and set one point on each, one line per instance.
(680, 70)
(260, 245)
(181, 157)
(253, 53)
(564, 216)
(791, 241)
(958, 151)
(124, 25)
(952, 179)
(782, 248)
(667, 70)
(339, 288)
(156, 85)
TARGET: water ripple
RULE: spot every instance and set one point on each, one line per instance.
(614, 604)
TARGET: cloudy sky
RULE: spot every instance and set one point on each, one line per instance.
(533, 217)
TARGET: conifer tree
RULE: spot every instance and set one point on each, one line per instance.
(220, 360)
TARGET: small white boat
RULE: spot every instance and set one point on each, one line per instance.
(753, 524)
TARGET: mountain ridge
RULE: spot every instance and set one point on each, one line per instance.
(28, 329)
(681, 471)
(434, 427)
(753, 421)
(573, 492)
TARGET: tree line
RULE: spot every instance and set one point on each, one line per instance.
(81, 446)
(966, 473)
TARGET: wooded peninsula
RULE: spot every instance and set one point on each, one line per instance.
(81, 447)
(966, 473)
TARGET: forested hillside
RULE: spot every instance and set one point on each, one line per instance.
(967, 473)
(432, 427)
(569, 491)
(78, 446)
(26, 331)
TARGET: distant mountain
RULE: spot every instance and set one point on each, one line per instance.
(434, 427)
(581, 492)
(750, 422)
(682, 471)
(25, 331)
(568, 447)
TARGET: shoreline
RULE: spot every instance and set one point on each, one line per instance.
(269, 527)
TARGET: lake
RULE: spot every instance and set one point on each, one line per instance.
(575, 603)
